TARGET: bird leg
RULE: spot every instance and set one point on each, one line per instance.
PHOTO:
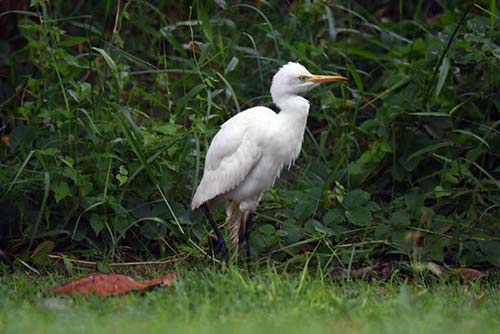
(221, 243)
(248, 227)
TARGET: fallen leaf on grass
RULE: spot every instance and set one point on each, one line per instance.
(108, 285)
(468, 274)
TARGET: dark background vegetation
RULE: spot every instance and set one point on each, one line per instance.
(107, 109)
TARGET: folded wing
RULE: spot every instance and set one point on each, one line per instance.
(233, 153)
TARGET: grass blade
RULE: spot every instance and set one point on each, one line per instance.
(42, 207)
(23, 166)
(443, 74)
(428, 149)
(445, 51)
(473, 135)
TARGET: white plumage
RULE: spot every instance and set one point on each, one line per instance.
(250, 150)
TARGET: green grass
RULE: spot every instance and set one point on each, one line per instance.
(210, 301)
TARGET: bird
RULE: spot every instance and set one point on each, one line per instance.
(248, 153)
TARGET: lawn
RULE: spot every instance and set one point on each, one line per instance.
(212, 301)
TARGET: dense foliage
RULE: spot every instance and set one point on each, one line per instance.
(109, 106)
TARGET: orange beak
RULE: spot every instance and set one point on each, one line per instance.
(325, 78)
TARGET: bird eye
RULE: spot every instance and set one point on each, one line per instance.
(302, 78)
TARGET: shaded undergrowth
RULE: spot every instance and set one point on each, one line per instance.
(109, 107)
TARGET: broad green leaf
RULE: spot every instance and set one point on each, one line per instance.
(61, 190)
(440, 192)
(333, 217)
(355, 199)
(96, 223)
(312, 226)
(103, 266)
(414, 200)
(281, 233)
(304, 209)
(359, 216)
(435, 246)
(83, 90)
(45, 247)
(154, 230)
(491, 248)
(267, 229)
(166, 129)
(400, 218)
(293, 231)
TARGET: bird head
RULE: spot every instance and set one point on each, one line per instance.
(294, 79)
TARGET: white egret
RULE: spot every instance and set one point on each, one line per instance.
(250, 150)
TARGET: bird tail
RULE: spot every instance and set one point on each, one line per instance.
(236, 220)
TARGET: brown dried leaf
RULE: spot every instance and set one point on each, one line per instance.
(108, 285)
(468, 274)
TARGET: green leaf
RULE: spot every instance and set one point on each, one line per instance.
(491, 248)
(400, 218)
(45, 247)
(281, 233)
(359, 216)
(96, 223)
(331, 23)
(312, 226)
(232, 65)
(83, 90)
(473, 135)
(154, 230)
(357, 78)
(74, 40)
(111, 63)
(434, 247)
(414, 200)
(104, 267)
(355, 199)
(61, 190)
(428, 149)
(267, 229)
(304, 209)
(443, 73)
(440, 192)
(325, 230)
(122, 175)
(369, 160)
(166, 129)
(333, 217)
(293, 231)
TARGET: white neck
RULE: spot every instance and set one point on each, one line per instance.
(292, 105)
(293, 120)
(294, 112)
